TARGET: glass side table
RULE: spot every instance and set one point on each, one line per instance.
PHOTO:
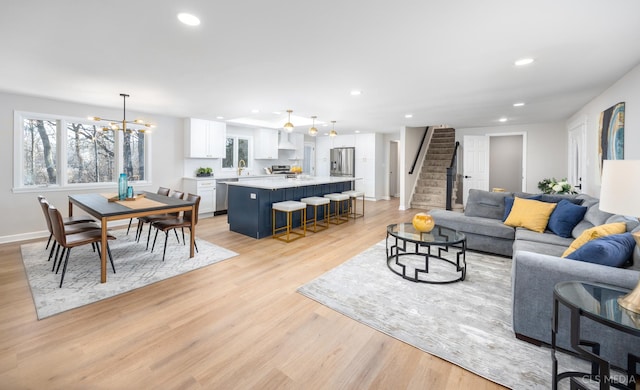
(404, 240)
(597, 302)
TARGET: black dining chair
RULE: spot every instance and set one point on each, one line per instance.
(70, 241)
(166, 225)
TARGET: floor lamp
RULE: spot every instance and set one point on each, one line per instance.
(620, 194)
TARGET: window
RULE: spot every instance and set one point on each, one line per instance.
(236, 149)
(59, 151)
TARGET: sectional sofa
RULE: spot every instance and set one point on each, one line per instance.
(537, 265)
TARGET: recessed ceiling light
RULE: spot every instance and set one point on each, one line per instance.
(408, 115)
(502, 119)
(276, 112)
(255, 111)
(188, 19)
(356, 93)
(219, 117)
(325, 125)
(523, 61)
(518, 104)
(357, 131)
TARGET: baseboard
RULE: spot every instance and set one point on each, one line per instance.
(44, 234)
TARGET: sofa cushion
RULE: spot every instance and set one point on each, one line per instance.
(595, 232)
(538, 247)
(485, 204)
(614, 250)
(565, 217)
(508, 203)
(530, 214)
(478, 225)
(547, 238)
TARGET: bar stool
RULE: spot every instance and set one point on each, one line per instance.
(316, 201)
(353, 200)
(288, 207)
(338, 200)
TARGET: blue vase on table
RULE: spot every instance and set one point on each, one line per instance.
(122, 186)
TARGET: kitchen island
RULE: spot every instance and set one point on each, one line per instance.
(249, 202)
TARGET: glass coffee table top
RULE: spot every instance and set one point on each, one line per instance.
(438, 236)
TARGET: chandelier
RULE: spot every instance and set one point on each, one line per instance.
(333, 133)
(137, 125)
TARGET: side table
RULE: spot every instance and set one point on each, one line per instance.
(598, 302)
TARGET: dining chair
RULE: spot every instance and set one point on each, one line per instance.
(166, 225)
(161, 191)
(67, 220)
(71, 227)
(151, 218)
(70, 241)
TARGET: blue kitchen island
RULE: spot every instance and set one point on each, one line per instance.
(249, 201)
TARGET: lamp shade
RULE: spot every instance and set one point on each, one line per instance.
(620, 186)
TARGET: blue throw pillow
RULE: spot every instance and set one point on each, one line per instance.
(508, 204)
(615, 250)
(565, 217)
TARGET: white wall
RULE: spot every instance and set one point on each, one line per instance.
(410, 138)
(22, 209)
(546, 149)
(627, 90)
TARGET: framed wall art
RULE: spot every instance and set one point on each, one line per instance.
(611, 143)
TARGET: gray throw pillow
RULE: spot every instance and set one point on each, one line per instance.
(485, 204)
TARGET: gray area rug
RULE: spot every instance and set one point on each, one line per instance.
(135, 268)
(467, 323)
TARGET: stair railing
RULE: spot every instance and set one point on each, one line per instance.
(415, 160)
(452, 172)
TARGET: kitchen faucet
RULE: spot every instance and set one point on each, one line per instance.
(241, 164)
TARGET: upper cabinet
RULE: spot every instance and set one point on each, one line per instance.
(266, 144)
(204, 138)
(341, 141)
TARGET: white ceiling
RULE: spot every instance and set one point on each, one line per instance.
(444, 61)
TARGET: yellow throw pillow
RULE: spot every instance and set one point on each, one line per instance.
(595, 232)
(531, 214)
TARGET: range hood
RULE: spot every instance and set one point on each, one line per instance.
(284, 142)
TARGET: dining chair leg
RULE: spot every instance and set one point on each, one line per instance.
(64, 250)
(154, 240)
(166, 238)
(53, 247)
(110, 257)
(130, 220)
(149, 235)
(55, 258)
(48, 242)
(195, 244)
(64, 269)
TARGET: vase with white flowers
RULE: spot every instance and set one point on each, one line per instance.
(553, 186)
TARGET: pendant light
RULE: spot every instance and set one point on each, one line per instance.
(313, 131)
(288, 126)
(333, 133)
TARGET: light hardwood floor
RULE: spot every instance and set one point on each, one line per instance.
(234, 325)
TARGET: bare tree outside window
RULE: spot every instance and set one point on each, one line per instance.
(90, 154)
(39, 152)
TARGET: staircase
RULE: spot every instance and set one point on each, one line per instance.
(431, 186)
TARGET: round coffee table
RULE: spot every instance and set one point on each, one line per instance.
(406, 258)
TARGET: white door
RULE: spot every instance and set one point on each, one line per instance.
(394, 179)
(476, 164)
(577, 158)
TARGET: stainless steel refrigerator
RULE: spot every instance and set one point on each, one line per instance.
(343, 162)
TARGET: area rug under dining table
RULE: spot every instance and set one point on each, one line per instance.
(467, 323)
(135, 268)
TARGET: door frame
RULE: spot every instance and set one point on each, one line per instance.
(523, 185)
(577, 136)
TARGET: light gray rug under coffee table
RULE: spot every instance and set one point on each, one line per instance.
(135, 267)
(467, 323)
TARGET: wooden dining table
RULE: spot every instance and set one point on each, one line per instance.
(103, 208)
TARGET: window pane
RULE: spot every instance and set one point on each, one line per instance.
(39, 151)
(134, 155)
(227, 161)
(90, 154)
(243, 150)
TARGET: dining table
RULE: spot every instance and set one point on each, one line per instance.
(107, 207)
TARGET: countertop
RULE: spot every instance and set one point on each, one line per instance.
(278, 183)
(243, 177)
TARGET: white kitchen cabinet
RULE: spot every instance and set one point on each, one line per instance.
(266, 144)
(365, 164)
(297, 139)
(206, 189)
(341, 141)
(204, 138)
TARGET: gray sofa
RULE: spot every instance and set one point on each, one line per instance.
(537, 267)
